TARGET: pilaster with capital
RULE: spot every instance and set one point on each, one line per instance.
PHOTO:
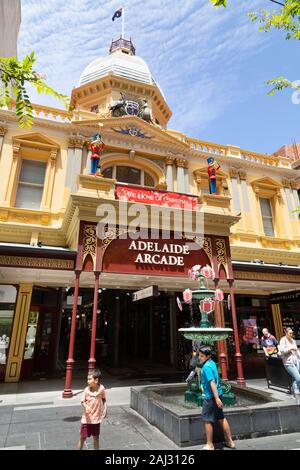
(12, 175)
(49, 180)
(74, 164)
(181, 165)
(169, 172)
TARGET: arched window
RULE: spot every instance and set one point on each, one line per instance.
(130, 175)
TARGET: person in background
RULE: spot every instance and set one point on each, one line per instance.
(212, 407)
(290, 357)
(269, 343)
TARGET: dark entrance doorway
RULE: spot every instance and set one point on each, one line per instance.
(42, 333)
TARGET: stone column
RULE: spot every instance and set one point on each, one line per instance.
(235, 189)
(295, 196)
(169, 173)
(74, 164)
(244, 187)
(3, 130)
(187, 179)
(181, 165)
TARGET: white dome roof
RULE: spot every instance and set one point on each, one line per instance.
(120, 64)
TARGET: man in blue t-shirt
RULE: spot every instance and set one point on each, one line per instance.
(212, 407)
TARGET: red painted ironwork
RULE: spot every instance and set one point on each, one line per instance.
(67, 393)
(238, 356)
(92, 360)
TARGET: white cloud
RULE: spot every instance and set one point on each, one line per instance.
(192, 50)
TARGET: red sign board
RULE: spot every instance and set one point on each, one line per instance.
(158, 198)
(154, 257)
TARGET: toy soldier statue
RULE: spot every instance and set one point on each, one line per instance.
(96, 146)
(212, 168)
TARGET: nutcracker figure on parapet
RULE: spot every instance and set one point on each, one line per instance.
(97, 147)
(213, 167)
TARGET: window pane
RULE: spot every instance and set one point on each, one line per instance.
(29, 197)
(268, 227)
(265, 207)
(148, 180)
(33, 172)
(127, 174)
(6, 320)
(107, 173)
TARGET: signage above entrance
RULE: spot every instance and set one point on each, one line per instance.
(285, 297)
(161, 257)
(156, 197)
(151, 291)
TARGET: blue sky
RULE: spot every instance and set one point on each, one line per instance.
(211, 64)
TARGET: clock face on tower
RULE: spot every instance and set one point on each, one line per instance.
(132, 108)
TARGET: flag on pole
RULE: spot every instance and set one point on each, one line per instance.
(118, 14)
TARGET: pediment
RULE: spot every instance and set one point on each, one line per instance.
(266, 182)
(34, 139)
(145, 130)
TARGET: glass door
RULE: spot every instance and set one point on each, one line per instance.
(45, 344)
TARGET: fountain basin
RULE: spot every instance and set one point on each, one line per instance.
(256, 414)
(206, 335)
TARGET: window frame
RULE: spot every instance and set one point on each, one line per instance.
(140, 169)
(271, 217)
(31, 185)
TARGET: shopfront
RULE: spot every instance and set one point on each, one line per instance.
(289, 309)
(253, 314)
(8, 296)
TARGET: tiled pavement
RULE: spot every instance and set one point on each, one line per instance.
(34, 416)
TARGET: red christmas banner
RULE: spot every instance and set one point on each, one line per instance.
(158, 198)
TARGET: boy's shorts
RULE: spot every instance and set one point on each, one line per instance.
(88, 430)
(210, 411)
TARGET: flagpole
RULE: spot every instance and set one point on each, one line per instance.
(123, 22)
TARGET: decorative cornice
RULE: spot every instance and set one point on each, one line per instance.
(27, 262)
(258, 276)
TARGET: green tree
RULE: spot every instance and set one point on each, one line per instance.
(286, 18)
(15, 76)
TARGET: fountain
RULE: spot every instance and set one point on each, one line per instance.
(206, 332)
(176, 411)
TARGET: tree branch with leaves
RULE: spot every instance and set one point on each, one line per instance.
(15, 76)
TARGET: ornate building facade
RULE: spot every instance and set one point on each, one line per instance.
(66, 292)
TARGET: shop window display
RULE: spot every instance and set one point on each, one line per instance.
(8, 296)
(31, 335)
(290, 315)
